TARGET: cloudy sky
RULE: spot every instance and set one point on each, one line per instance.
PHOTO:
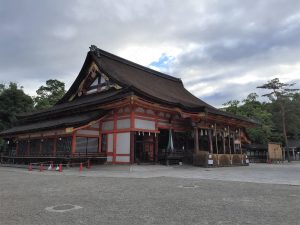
(220, 49)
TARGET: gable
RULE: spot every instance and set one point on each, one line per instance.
(95, 81)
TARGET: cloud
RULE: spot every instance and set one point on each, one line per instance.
(221, 49)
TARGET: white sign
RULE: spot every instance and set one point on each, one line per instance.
(210, 162)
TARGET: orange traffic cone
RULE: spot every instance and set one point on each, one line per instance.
(80, 167)
(30, 167)
(41, 167)
(60, 168)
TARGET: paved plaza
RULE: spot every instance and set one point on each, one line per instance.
(152, 194)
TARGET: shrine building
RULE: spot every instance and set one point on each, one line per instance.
(120, 112)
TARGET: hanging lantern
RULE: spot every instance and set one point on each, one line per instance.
(201, 132)
(205, 132)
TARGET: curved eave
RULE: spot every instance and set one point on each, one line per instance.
(84, 106)
(231, 118)
(71, 120)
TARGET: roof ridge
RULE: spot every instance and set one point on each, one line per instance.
(98, 52)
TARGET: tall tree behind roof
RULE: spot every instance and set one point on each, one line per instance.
(252, 108)
(13, 101)
(281, 94)
(50, 94)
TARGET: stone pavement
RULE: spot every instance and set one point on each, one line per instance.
(286, 173)
(151, 194)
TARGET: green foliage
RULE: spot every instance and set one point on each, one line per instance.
(252, 108)
(48, 95)
(284, 100)
(13, 101)
(282, 97)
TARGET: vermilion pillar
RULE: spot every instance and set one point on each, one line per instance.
(73, 142)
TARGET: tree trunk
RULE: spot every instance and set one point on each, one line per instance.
(284, 132)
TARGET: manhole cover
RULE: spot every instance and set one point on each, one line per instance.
(189, 186)
(62, 208)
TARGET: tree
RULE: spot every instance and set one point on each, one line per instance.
(13, 101)
(281, 95)
(252, 108)
(48, 95)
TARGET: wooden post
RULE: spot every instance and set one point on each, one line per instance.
(240, 141)
(196, 140)
(132, 141)
(229, 145)
(100, 137)
(41, 145)
(223, 138)
(115, 138)
(17, 147)
(73, 142)
(156, 147)
(28, 146)
(132, 133)
(234, 150)
(210, 141)
(217, 147)
(132, 124)
(55, 145)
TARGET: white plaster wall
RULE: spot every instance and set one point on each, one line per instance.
(88, 132)
(144, 124)
(123, 159)
(110, 141)
(123, 124)
(109, 158)
(123, 143)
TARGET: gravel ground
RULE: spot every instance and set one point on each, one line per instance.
(47, 198)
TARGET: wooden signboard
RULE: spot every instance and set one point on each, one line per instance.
(275, 151)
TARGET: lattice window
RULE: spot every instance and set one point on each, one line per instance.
(35, 147)
(86, 144)
(47, 146)
(64, 146)
(22, 147)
